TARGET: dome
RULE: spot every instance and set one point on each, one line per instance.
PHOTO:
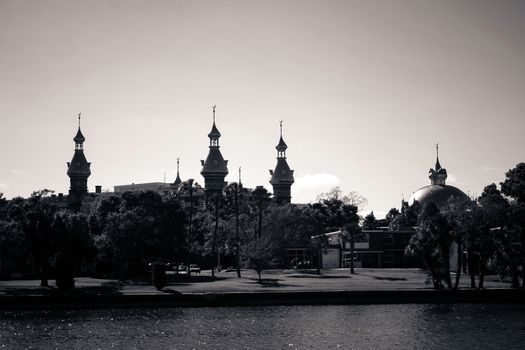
(282, 173)
(214, 133)
(438, 194)
(79, 138)
(214, 163)
(79, 166)
(281, 147)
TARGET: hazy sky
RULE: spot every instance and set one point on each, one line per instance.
(365, 89)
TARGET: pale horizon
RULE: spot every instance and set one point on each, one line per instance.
(365, 90)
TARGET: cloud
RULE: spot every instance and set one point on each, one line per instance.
(308, 186)
(313, 181)
(452, 178)
(4, 185)
(18, 171)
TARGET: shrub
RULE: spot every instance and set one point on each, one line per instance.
(159, 274)
(64, 271)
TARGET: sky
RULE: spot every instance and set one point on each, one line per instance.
(365, 90)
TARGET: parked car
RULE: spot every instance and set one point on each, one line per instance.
(182, 269)
(194, 268)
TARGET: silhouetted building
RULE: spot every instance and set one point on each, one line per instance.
(214, 168)
(78, 172)
(159, 187)
(379, 248)
(282, 177)
(437, 192)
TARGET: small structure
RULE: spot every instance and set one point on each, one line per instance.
(380, 248)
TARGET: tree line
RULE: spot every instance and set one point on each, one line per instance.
(121, 235)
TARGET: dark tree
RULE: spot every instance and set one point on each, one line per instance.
(260, 201)
(514, 187)
(514, 184)
(142, 228)
(391, 215)
(370, 222)
(495, 214)
(72, 246)
(431, 242)
(316, 218)
(351, 230)
(466, 221)
(259, 254)
(36, 224)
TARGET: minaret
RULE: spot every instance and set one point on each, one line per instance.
(214, 168)
(178, 181)
(282, 177)
(78, 171)
(438, 175)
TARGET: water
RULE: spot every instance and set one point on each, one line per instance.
(410, 326)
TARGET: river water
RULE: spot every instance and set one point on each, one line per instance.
(406, 326)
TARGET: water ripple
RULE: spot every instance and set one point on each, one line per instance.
(410, 326)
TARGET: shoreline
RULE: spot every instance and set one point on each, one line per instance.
(279, 287)
(233, 299)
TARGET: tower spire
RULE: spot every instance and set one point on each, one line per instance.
(178, 181)
(281, 146)
(213, 107)
(239, 176)
(438, 166)
(79, 114)
(438, 175)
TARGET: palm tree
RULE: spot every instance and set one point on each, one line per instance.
(261, 199)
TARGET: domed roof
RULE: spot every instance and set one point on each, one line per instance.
(214, 133)
(282, 173)
(214, 163)
(438, 194)
(79, 166)
(79, 138)
(281, 146)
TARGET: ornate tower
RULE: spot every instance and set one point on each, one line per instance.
(78, 171)
(282, 177)
(214, 168)
(438, 175)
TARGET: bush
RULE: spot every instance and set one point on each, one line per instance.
(159, 274)
(64, 271)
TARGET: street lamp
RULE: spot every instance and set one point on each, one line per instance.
(190, 189)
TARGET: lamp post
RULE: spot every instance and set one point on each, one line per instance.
(190, 189)
(237, 245)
